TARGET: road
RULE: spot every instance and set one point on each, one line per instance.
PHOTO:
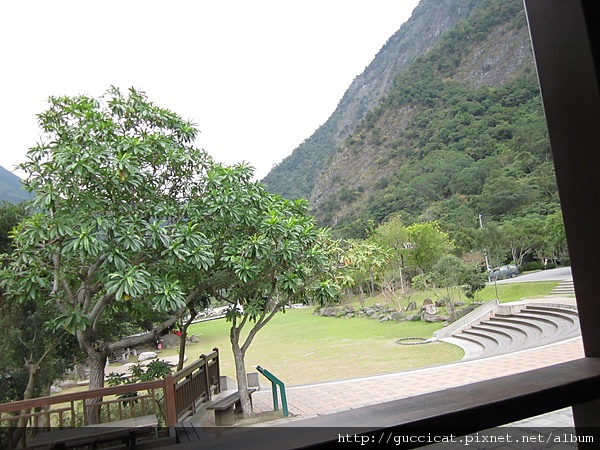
(562, 273)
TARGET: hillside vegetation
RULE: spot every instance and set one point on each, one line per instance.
(11, 188)
(460, 133)
(296, 175)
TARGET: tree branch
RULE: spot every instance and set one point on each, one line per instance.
(258, 326)
(143, 338)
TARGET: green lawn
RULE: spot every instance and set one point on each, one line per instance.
(506, 293)
(302, 348)
(515, 291)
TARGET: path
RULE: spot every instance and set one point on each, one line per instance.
(335, 396)
(326, 398)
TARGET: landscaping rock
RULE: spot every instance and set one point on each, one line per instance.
(434, 318)
(144, 356)
(348, 309)
(192, 339)
(170, 341)
(396, 316)
(328, 311)
(413, 318)
(412, 306)
(375, 312)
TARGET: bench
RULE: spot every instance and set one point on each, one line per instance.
(126, 429)
(225, 407)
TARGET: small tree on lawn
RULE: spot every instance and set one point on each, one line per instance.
(268, 254)
(393, 236)
(116, 183)
(427, 244)
(452, 274)
(368, 262)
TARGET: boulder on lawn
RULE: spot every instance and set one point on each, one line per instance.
(170, 340)
(145, 356)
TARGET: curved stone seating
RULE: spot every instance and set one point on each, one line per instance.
(516, 327)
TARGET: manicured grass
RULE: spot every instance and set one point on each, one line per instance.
(516, 291)
(302, 348)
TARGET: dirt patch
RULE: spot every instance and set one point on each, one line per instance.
(259, 418)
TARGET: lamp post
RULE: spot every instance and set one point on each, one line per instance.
(485, 254)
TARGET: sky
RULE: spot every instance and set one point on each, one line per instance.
(257, 77)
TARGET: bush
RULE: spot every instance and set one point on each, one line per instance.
(531, 265)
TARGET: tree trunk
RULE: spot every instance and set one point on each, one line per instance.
(450, 307)
(240, 373)
(32, 370)
(183, 339)
(97, 362)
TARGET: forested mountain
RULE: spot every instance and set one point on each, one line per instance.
(460, 133)
(295, 176)
(11, 188)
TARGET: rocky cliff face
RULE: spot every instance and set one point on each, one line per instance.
(501, 57)
(445, 124)
(364, 164)
(429, 21)
(295, 176)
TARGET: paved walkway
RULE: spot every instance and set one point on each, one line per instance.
(326, 398)
(330, 397)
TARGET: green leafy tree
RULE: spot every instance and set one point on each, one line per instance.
(10, 216)
(452, 274)
(490, 241)
(368, 261)
(393, 236)
(116, 182)
(268, 254)
(555, 238)
(427, 243)
(33, 355)
(134, 220)
(523, 236)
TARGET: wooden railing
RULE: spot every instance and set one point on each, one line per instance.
(195, 384)
(170, 399)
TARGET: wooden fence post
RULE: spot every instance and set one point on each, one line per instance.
(206, 377)
(170, 402)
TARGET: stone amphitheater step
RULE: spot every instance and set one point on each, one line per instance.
(532, 330)
(565, 287)
(472, 349)
(564, 310)
(568, 323)
(534, 325)
(513, 334)
(486, 338)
